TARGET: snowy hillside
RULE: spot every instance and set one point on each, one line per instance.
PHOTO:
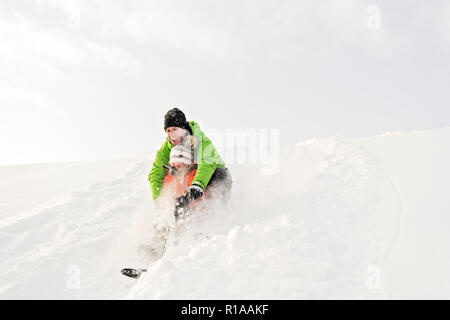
(342, 218)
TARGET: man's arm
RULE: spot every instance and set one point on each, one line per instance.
(157, 174)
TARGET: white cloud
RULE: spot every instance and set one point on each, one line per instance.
(23, 36)
(33, 58)
(138, 21)
(32, 53)
(299, 56)
(440, 19)
(220, 28)
(234, 29)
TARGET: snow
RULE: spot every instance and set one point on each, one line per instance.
(342, 218)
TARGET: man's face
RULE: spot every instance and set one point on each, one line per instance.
(175, 134)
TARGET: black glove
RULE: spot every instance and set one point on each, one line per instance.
(195, 192)
(182, 203)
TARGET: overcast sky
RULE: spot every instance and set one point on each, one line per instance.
(85, 79)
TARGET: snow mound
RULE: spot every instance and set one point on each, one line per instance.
(308, 232)
(338, 220)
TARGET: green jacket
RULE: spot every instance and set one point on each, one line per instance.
(207, 160)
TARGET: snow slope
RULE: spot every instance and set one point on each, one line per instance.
(342, 218)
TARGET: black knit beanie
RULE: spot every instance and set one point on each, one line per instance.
(175, 118)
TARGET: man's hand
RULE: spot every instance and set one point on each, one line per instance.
(195, 192)
(182, 203)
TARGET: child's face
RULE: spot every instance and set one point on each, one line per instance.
(175, 134)
(179, 166)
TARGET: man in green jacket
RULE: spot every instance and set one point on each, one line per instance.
(211, 168)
